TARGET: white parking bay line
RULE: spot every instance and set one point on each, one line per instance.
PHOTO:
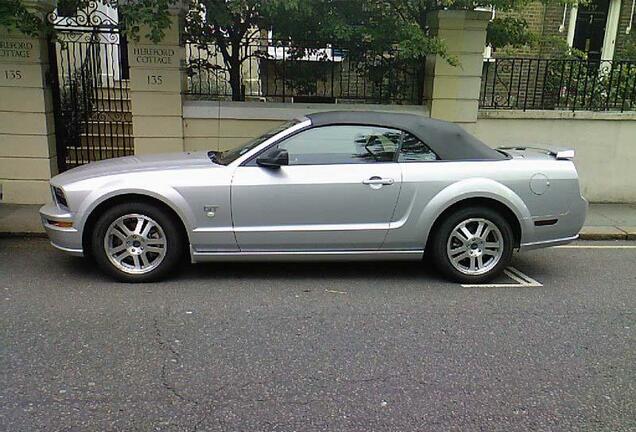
(524, 281)
(596, 247)
(527, 279)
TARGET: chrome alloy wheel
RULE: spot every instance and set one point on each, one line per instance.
(475, 246)
(135, 244)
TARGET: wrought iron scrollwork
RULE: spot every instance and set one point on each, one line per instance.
(504, 75)
(87, 37)
(90, 17)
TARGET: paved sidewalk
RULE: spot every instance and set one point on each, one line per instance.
(610, 221)
(20, 220)
(604, 221)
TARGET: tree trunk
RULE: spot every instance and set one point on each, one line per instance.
(235, 83)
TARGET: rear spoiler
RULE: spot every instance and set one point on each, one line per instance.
(564, 154)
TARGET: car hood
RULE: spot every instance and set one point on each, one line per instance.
(131, 164)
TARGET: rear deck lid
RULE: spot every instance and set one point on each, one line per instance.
(525, 152)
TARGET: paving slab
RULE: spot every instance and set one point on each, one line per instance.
(618, 214)
(630, 231)
(596, 218)
(602, 233)
(20, 219)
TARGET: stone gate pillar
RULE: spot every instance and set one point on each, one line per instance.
(27, 133)
(157, 80)
(452, 92)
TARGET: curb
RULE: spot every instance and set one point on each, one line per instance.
(23, 234)
(611, 232)
(605, 236)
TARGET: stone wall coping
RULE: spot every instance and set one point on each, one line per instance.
(555, 115)
(459, 19)
(280, 111)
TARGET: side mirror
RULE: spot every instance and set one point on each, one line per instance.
(276, 159)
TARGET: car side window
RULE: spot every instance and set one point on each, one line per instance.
(342, 144)
(414, 150)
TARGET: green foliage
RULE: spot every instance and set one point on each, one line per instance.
(508, 31)
(593, 86)
(151, 15)
(554, 47)
(370, 24)
(304, 78)
(372, 32)
(557, 47)
(76, 104)
(374, 22)
(629, 51)
(363, 26)
(68, 7)
(15, 16)
(230, 26)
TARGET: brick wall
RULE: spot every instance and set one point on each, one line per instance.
(553, 20)
(624, 40)
(545, 19)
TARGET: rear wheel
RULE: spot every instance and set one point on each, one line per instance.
(473, 245)
(137, 242)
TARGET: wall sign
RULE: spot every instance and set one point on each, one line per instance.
(16, 50)
(154, 79)
(156, 68)
(21, 75)
(154, 56)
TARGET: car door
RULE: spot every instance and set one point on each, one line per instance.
(337, 193)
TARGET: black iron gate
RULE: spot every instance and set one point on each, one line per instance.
(89, 72)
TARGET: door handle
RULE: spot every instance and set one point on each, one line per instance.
(378, 181)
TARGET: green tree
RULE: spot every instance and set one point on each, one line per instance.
(508, 31)
(15, 16)
(232, 25)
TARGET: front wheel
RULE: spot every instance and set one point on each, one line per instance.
(137, 242)
(473, 245)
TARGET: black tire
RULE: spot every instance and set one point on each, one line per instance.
(174, 242)
(440, 240)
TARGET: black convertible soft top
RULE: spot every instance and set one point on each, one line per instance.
(448, 140)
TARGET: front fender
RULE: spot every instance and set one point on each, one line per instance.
(159, 191)
(476, 188)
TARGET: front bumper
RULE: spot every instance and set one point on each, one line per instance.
(65, 239)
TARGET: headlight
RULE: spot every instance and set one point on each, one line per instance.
(58, 196)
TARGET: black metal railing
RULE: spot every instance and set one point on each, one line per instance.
(89, 81)
(91, 101)
(284, 71)
(558, 84)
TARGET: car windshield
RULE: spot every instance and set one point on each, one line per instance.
(229, 156)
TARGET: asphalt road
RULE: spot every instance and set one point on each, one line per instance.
(304, 347)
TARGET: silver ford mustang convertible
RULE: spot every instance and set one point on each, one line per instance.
(333, 185)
